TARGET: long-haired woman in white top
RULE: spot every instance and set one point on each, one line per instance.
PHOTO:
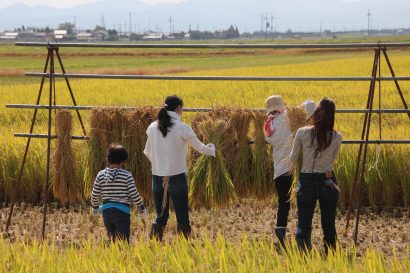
(318, 146)
(166, 148)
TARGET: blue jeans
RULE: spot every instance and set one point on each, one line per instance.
(117, 224)
(178, 192)
(312, 188)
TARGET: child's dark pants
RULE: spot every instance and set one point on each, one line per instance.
(117, 224)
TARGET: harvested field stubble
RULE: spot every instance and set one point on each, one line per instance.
(253, 219)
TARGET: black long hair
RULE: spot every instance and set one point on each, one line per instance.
(164, 120)
(323, 123)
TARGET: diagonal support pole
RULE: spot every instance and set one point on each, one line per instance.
(395, 80)
(23, 163)
(71, 92)
(359, 157)
(366, 145)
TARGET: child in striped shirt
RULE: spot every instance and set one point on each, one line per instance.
(117, 188)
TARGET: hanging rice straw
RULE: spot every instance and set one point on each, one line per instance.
(242, 160)
(106, 128)
(296, 118)
(64, 184)
(262, 165)
(134, 139)
(210, 182)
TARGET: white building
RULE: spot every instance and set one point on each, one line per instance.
(60, 34)
(9, 36)
(84, 36)
(153, 37)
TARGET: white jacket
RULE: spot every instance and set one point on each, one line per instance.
(281, 142)
(168, 154)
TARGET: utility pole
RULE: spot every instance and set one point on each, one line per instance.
(271, 24)
(170, 25)
(103, 21)
(75, 25)
(266, 25)
(261, 23)
(130, 25)
(320, 29)
(368, 22)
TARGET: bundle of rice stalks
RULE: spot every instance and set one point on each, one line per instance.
(134, 139)
(106, 128)
(230, 143)
(296, 118)
(241, 169)
(210, 183)
(64, 183)
(262, 165)
(195, 121)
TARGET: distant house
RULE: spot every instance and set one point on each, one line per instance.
(31, 36)
(100, 35)
(9, 36)
(84, 36)
(153, 37)
(60, 34)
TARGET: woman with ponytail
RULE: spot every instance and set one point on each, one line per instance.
(318, 146)
(166, 148)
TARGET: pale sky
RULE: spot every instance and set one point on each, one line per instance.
(71, 3)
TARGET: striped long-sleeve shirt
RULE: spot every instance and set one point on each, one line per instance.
(115, 185)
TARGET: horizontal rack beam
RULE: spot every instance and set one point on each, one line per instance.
(211, 78)
(221, 46)
(46, 136)
(87, 108)
(250, 142)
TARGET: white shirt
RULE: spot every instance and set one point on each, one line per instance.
(302, 147)
(168, 154)
(281, 142)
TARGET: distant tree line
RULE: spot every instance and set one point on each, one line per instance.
(230, 33)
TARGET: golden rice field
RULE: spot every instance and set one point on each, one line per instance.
(387, 183)
(237, 239)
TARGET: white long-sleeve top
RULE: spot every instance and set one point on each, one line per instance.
(281, 142)
(323, 162)
(168, 154)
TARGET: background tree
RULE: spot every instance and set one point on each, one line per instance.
(67, 26)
